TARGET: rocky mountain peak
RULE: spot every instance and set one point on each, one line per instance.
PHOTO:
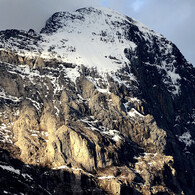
(108, 37)
(99, 98)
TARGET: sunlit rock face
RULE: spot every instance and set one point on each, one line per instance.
(96, 103)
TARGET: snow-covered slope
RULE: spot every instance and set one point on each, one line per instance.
(96, 38)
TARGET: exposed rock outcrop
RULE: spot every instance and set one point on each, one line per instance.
(83, 129)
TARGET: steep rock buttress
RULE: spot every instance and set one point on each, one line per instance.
(100, 99)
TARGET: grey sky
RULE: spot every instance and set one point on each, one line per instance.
(172, 18)
(26, 14)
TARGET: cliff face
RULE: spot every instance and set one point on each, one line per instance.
(95, 104)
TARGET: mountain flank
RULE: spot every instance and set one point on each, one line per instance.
(96, 103)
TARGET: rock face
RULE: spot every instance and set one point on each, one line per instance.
(95, 104)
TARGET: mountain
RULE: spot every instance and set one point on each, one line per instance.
(96, 103)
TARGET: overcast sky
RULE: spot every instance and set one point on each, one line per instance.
(175, 19)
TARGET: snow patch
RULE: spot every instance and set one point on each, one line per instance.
(96, 82)
(186, 138)
(11, 169)
(107, 177)
(35, 103)
(114, 134)
(5, 133)
(134, 113)
(5, 95)
(73, 73)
